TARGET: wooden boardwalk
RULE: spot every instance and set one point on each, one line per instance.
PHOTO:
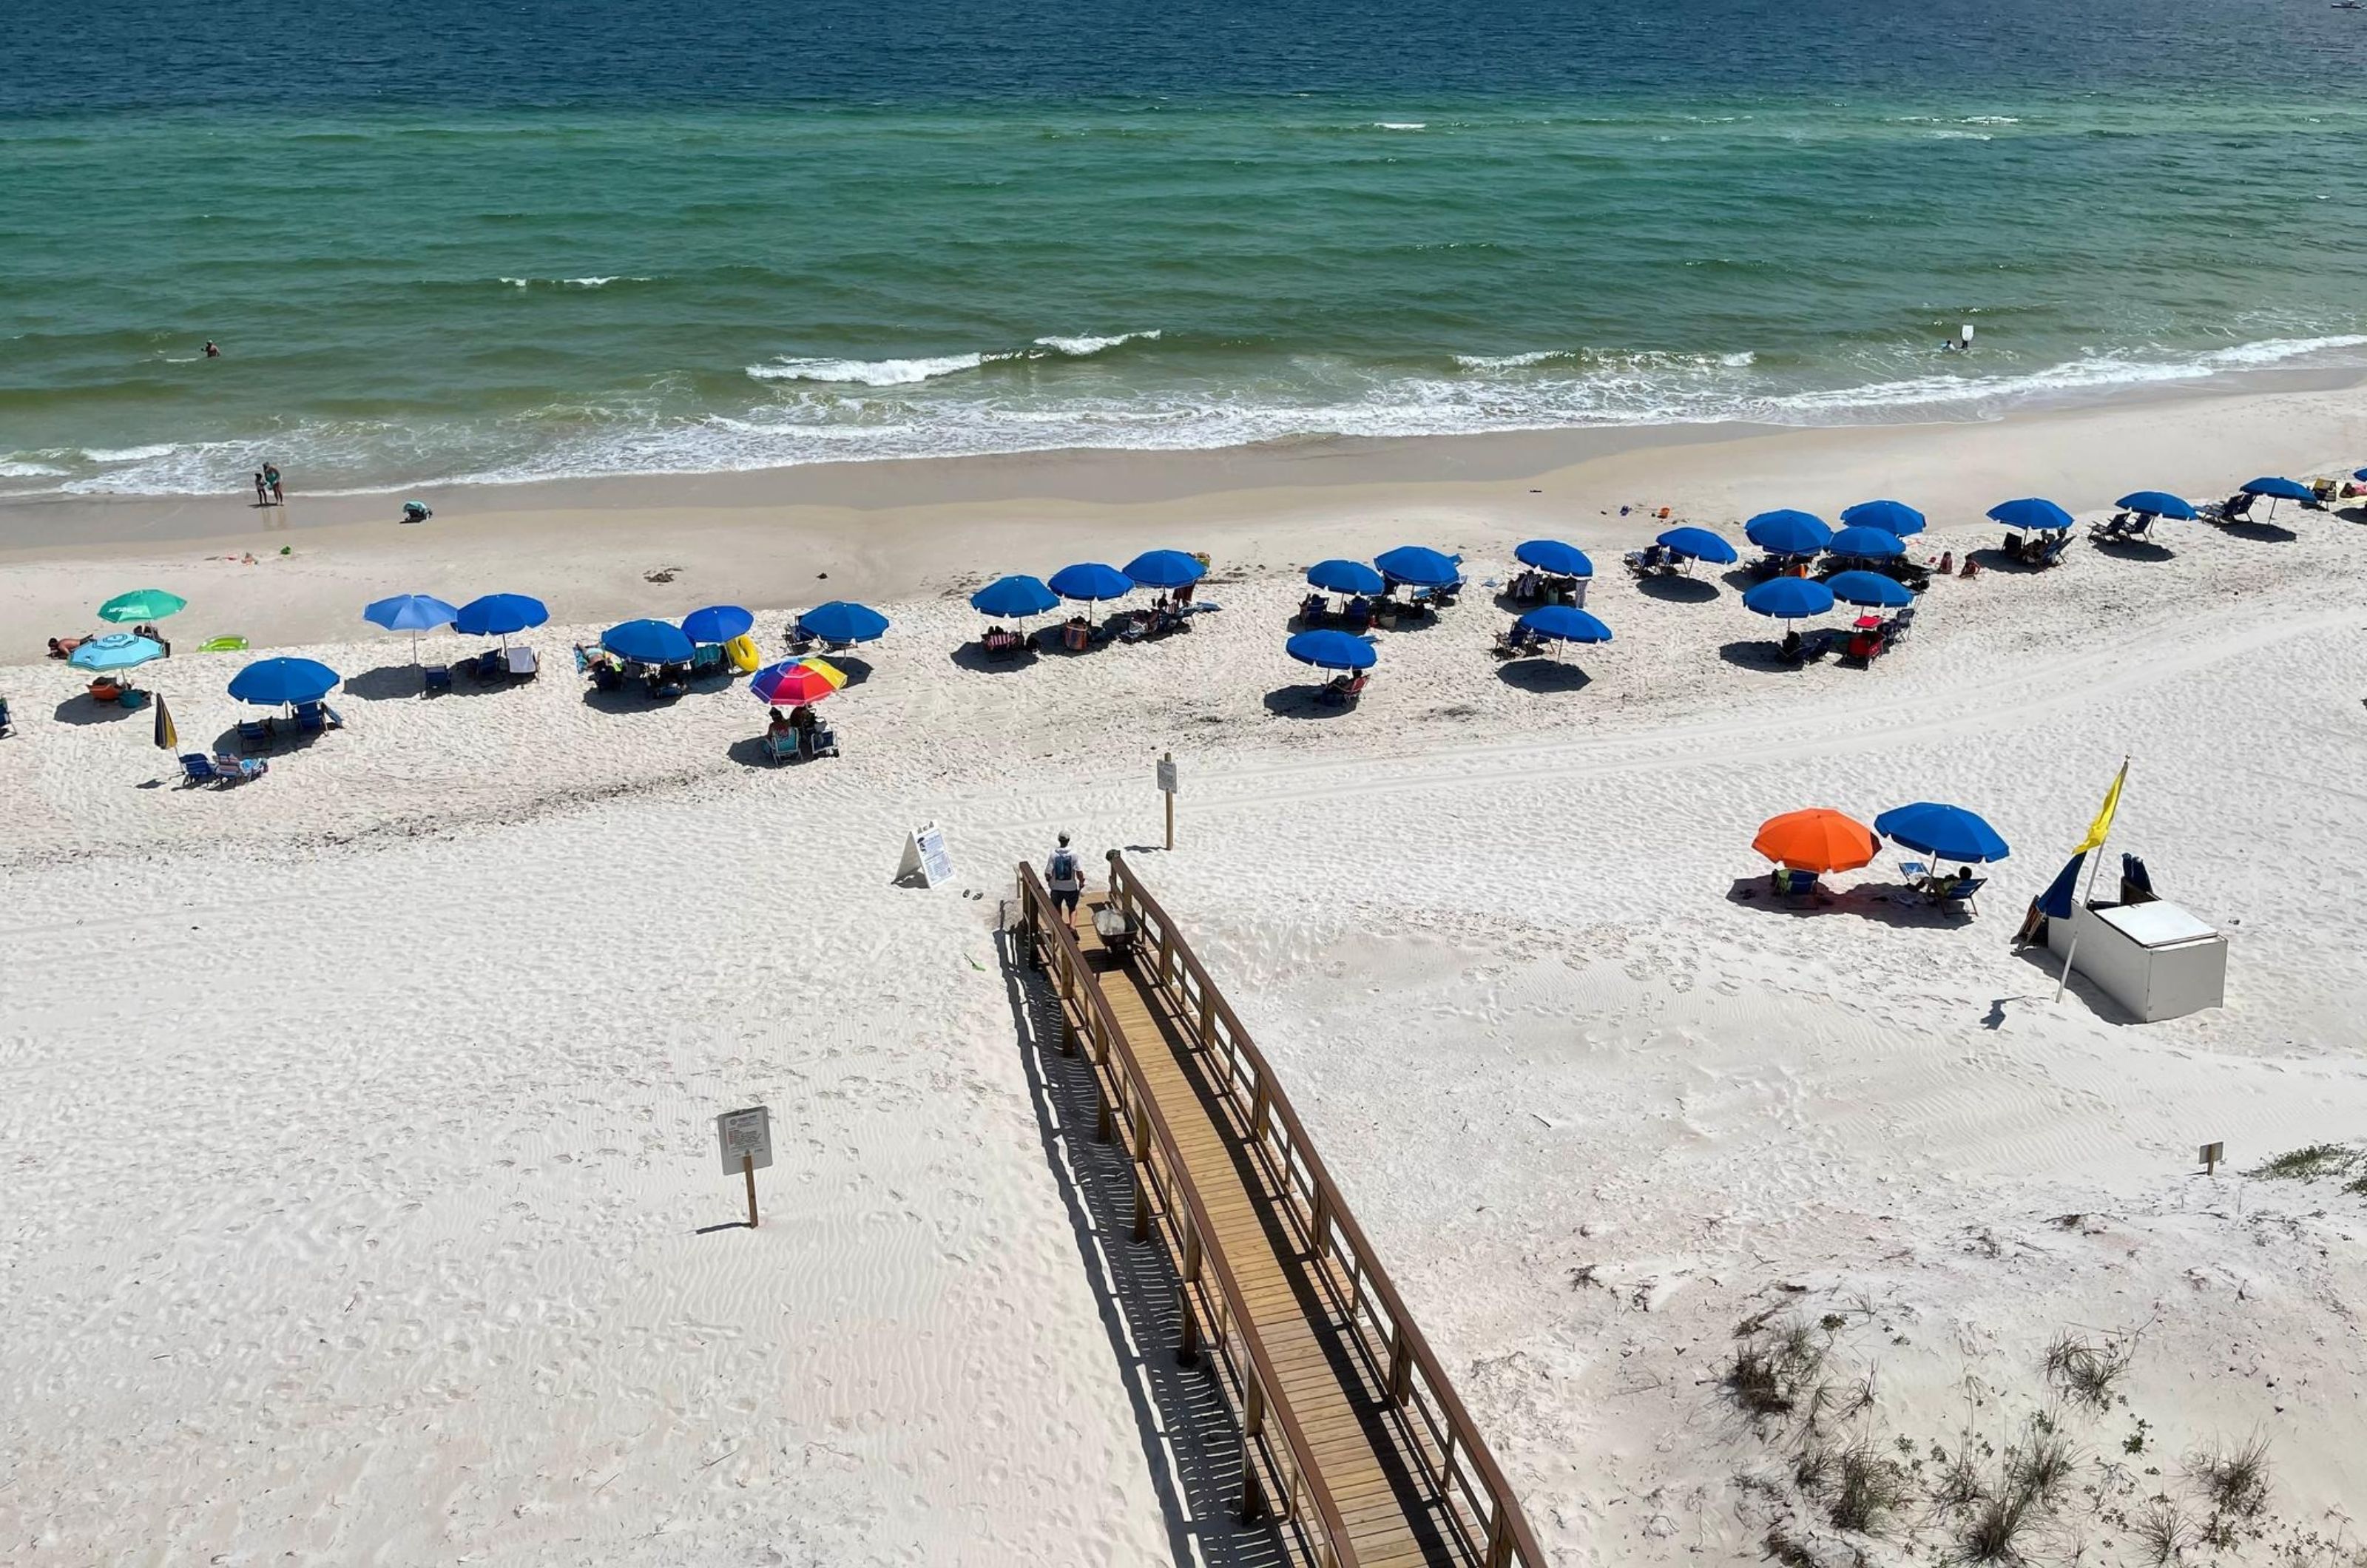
(1352, 1435)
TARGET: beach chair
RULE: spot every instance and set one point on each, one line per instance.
(522, 665)
(435, 678)
(310, 719)
(707, 658)
(255, 734)
(1956, 890)
(2050, 550)
(1791, 883)
(197, 768)
(1343, 690)
(238, 770)
(781, 748)
(821, 741)
(7, 725)
(133, 697)
(486, 666)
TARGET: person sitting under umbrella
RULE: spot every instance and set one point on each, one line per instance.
(802, 720)
(778, 727)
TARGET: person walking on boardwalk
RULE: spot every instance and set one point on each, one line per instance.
(1065, 875)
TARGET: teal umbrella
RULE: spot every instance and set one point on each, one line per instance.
(141, 604)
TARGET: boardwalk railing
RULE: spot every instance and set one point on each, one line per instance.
(1278, 1464)
(1476, 1502)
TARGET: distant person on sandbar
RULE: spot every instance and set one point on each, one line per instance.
(1065, 874)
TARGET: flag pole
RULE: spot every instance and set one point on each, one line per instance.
(2071, 949)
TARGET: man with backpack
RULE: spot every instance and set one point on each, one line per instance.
(1065, 875)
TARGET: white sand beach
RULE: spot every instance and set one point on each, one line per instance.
(363, 1202)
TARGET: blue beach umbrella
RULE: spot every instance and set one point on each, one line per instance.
(1789, 598)
(1417, 567)
(2031, 515)
(2156, 504)
(1945, 832)
(116, 650)
(1553, 556)
(1788, 532)
(1561, 623)
(1164, 568)
(1699, 544)
(1091, 582)
(1891, 516)
(1869, 589)
(1866, 542)
(651, 642)
(1345, 577)
(498, 615)
(1332, 650)
(718, 622)
(272, 683)
(841, 620)
(408, 613)
(412, 613)
(1013, 599)
(2277, 489)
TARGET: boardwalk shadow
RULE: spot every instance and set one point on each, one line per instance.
(1678, 590)
(1189, 1443)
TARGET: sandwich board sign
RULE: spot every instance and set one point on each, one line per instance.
(925, 856)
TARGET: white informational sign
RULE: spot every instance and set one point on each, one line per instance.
(1167, 776)
(743, 1133)
(925, 856)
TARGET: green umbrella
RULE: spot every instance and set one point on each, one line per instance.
(141, 604)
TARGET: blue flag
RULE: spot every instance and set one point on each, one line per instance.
(2056, 902)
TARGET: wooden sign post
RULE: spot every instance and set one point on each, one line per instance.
(2211, 1155)
(1167, 788)
(745, 1138)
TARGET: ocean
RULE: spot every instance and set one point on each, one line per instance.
(447, 242)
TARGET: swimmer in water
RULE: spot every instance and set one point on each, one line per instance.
(213, 349)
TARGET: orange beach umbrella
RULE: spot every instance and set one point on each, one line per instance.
(1816, 840)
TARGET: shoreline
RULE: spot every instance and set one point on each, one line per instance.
(904, 528)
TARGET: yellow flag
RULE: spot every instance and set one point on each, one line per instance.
(2102, 825)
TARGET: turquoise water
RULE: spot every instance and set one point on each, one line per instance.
(738, 265)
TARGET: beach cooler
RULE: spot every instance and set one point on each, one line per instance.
(2152, 958)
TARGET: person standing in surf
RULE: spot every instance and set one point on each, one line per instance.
(271, 478)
